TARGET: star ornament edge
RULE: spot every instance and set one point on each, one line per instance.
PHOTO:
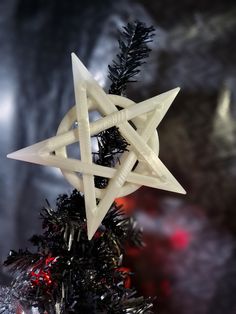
(86, 86)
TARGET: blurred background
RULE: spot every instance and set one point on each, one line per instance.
(189, 262)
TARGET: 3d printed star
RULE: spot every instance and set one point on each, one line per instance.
(144, 145)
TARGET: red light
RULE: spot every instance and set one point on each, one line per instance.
(40, 274)
(180, 239)
(127, 280)
(128, 204)
(165, 287)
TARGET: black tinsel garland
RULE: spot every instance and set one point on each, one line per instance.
(133, 46)
(68, 273)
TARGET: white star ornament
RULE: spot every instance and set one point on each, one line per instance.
(124, 177)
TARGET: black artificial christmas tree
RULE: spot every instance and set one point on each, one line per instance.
(67, 273)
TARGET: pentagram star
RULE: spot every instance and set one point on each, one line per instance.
(144, 145)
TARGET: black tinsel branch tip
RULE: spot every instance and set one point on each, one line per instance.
(21, 260)
(133, 45)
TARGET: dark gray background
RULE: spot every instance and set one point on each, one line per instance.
(194, 48)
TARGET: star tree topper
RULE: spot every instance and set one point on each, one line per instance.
(127, 176)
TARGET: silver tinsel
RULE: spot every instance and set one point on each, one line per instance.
(7, 303)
